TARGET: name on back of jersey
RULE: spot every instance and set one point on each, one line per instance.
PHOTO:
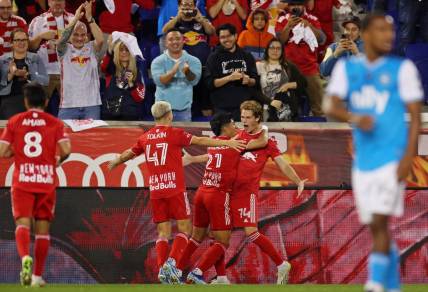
(36, 173)
(162, 181)
(369, 98)
(34, 122)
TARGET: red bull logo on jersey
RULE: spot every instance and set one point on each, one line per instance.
(81, 61)
(250, 156)
(162, 181)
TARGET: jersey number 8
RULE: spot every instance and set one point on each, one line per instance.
(32, 146)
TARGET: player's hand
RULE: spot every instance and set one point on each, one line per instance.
(245, 79)
(186, 158)
(276, 103)
(186, 68)
(301, 186)
(176, 67)
(235, 75)
(365, 123)
(114, 163)
(49, 35)
(404, 168)
(238, 145)
(292, 22)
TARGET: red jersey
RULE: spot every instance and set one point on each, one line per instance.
(222, 18)
(33, 136)
(162, 147)
(300, 54)
(220, 170)
(251, 165)
(6, 28)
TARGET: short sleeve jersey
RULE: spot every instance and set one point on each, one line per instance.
(33, 136)
(162, 147)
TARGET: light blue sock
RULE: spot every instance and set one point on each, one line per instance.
(378, 267)
(393, 274)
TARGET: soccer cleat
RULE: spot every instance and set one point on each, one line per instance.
(172, 273)
(26, 271)
(283, 272)
(162, 277)
(220, 280)
(194, 278)
(37, 281)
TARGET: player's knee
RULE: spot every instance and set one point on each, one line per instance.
(184, 226)
(250, 230)
(23, 221)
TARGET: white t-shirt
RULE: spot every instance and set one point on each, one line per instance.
(80, 83)
(40, 25)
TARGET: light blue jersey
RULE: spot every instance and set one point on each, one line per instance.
(380, 89)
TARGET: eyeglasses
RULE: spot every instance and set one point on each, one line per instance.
(5, 7)
(20, 40)
(275, 48)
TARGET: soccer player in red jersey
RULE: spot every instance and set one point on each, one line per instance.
(33, 138)
(211, 202)
(246, 187)
(162, 146)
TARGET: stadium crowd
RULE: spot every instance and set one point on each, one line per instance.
(112, 59)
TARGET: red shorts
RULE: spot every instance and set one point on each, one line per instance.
(40, 206)
(211, 208)
(176, 207)
(244, 211)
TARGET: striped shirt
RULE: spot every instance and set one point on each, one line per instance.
(6, 28)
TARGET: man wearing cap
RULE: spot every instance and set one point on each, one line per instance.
(302, 50)
(350, 44)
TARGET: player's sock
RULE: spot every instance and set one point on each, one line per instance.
(211, 256)
(378, 268)
(220, 267)
(192, 245)
(161, 251)
(178, 246)
(393, 274)
(40, 253)
(22, 236)
(266, 246)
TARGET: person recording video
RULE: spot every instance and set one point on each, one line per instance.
(349, 44)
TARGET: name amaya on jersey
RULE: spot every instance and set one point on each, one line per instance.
(381, 90)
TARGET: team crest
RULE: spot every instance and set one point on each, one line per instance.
(197, 26)
(385, 79)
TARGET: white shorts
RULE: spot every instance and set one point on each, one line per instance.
(378, 191)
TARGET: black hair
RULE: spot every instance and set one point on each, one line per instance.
(34, 94)
(371, 17)
(172, 30)
(220, 120)
(227, 26)
(179, 2)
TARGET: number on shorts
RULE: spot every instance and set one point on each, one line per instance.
(154, 157)
(32, 146)
(217, 157)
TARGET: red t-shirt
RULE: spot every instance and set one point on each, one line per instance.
(251, 165)
(33, 136)
(6, 28)
(220, 170)
(162, 147)
(300, 54)
(221, 18)
(120, 20)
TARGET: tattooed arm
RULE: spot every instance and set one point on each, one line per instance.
(66, 34)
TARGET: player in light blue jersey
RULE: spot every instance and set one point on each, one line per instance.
(378, 90)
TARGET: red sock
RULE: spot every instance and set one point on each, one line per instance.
(178, 246)
(22, 238)
(211, 256)
(192, 245)
(161, 251)
(266, 246)
(40, 253)
(220, 267)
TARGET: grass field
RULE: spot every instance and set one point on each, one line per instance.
(212, 288)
